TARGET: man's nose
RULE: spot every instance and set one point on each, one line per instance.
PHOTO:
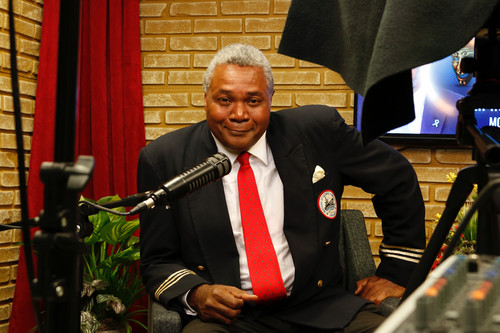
(239, 112)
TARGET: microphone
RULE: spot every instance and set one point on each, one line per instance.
(211, 169)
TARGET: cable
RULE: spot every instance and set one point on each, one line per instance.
(106, 209)
(20, 158)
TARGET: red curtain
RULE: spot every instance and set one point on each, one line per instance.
(110, 122)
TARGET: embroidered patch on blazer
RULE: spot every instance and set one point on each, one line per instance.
(327, 204)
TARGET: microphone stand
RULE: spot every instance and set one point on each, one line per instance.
(57, 244)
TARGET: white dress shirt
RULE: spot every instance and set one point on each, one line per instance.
(270, 190)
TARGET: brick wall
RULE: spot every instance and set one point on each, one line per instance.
(28, 20)
(178, 38)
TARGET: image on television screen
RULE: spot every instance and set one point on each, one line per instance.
(436, 88)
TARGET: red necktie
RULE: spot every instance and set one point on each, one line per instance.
(265, 273)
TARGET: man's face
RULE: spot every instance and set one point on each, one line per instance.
(238, 105)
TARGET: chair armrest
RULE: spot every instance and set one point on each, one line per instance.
(161, 319)
(388, 305)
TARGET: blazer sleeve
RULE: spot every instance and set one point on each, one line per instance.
(164, 273)
(381, 170)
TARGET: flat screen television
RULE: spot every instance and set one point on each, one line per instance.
(437, 86)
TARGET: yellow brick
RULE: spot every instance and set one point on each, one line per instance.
(218, 25)
(24, 27)
(167, 61)
(151, 9)
(9, 141)
(366, 207)
(166, 100)
(432, 210)
(4, 41)
(260, 42)
(29, 47)
(184, 117)
(434, 174)
(7, 292)
(7, 123)
(307, 64)
(27, 87)
(152, 133)
(348, 117)
(193, 43)
(4, 313)
(185, 77)
(7, 160)
(264, 24)
(31, 11)
(282, 100)
(425, 192)
(153, 77)
(38, 32)
(27, 105)
(281, 6)
(193, 9)
(331, 99)
(378, 230)
(152, 117)
(9, 179)
(244, 7)
(6, 236)
(298, 78)
(4, 275)
(202, 60)
(24, 64)
(6, 197)
(332, 78)
(10, 253)
(278, 60)
(168, 27)
(153, 44)
(441, 193)
(353, 192)
(422, 156)
(454, 156)
(197, 99)
(277, 40)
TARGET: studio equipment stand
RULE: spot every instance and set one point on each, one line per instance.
(485, 95)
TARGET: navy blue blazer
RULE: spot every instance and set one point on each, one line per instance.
(192, 242)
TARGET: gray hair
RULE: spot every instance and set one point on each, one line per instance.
(239, 54)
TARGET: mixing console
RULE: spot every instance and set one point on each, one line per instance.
(461, 295)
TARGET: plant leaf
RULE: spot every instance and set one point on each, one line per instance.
(114, 233)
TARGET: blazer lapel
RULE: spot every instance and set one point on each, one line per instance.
(300, 222)
(212, 225)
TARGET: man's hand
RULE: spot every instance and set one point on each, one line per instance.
(218, 302)
(377, 289)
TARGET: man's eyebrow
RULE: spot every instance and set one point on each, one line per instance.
(250, 93)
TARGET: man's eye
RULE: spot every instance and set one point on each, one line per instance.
(223, 100)
(254, 101)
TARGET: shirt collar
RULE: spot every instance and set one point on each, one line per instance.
(259, 149)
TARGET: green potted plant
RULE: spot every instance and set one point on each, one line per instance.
(111, 280)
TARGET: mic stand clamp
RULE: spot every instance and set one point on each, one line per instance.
(58, 245)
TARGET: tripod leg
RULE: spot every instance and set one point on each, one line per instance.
(460, 190)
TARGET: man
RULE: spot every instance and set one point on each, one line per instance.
(194, 255)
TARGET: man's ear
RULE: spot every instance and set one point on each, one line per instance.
(205, 101)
